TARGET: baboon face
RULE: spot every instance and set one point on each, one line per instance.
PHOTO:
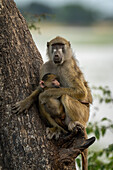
(50, 80)
(58, 52)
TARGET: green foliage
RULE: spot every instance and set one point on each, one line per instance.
(69, 14)
(101, 159)
(98, 128)
(32, 20)
(35, 13)
(104, 94)
(76, 14)
(78, 161)
(35, 8)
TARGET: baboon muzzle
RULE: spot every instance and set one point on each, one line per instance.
(57, 59)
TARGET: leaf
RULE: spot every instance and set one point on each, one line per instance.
(78, 162)
(100, 153)
(107, 100)
(101, 100)
(111, 147)
(89, 130)
(103, 119)
(97, 133)
(106, 119)
(111, 126)
(103, 130)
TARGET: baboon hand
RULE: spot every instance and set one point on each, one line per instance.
(53, 132)
(75, 124)
(21, 106)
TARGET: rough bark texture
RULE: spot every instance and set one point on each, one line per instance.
(23, 144)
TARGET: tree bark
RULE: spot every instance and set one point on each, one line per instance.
(23, 143)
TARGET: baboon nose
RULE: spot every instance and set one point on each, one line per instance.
(56, 56)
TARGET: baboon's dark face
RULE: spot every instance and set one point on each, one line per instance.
(58, 52)
(51, 80)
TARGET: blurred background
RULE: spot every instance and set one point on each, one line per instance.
(88, 25)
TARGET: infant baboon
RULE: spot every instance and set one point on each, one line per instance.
(54, 109)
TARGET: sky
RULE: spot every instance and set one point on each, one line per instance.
(106, 6)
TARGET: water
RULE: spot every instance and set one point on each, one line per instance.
(95, 60)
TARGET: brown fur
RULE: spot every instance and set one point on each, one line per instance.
(73, 84)
(75, 93)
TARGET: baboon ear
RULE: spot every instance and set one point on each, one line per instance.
(42, 85)
(47, 44)
(69, 43)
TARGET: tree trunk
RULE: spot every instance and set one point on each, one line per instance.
(23, 143)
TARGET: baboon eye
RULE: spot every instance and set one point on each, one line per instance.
(53, 49)
(63, 50)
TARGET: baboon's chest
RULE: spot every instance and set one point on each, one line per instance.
(64, 76)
